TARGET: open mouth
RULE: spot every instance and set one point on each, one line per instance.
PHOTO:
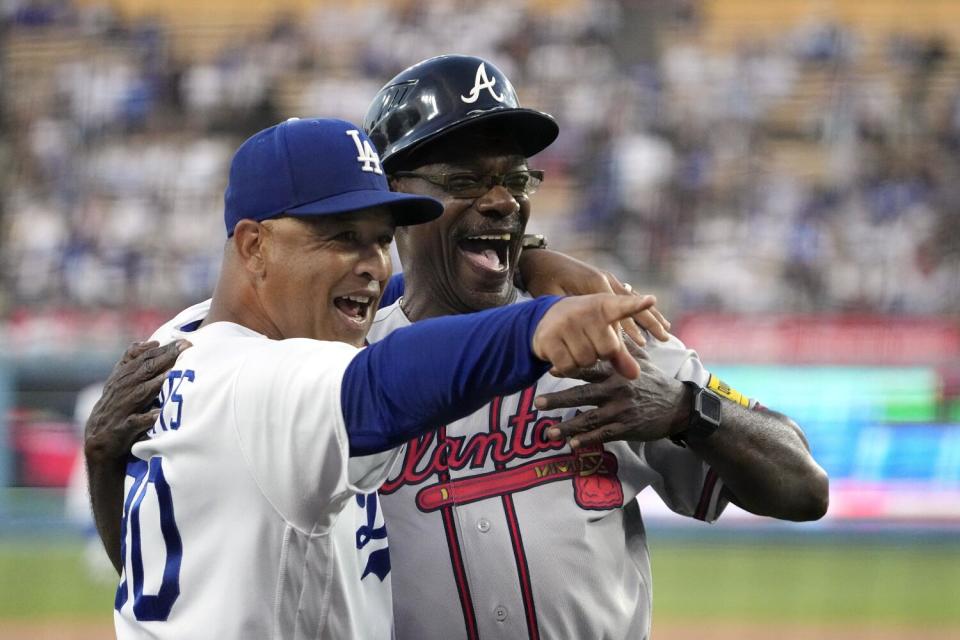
(489, 252)
(354, 307)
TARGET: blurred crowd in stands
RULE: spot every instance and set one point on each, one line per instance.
(814, 169)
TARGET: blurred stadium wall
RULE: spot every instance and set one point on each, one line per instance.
(784, 175)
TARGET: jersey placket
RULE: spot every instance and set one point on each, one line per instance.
(494, 555)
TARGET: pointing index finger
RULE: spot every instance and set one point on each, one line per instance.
(615, 308)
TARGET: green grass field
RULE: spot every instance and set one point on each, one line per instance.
(916, 585)
(48, 579)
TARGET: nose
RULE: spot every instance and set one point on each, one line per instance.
(374, 262)
(498, 202)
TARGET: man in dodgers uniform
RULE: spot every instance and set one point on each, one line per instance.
(251, 508)
(496, 522)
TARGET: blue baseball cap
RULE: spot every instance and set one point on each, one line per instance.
(314, 167)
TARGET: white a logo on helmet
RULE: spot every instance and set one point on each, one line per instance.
(366, 154)
(480, 83)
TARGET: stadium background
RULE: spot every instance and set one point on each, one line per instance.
(784, 175)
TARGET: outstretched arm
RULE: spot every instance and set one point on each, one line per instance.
(460, 362)
(762, 456)
(119, 418)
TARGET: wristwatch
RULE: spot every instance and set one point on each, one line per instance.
(705, 415)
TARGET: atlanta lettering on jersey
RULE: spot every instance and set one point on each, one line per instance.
(592, 470)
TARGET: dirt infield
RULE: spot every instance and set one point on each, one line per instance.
(704, 630)
(60, 630)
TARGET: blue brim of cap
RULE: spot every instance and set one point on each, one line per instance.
(407, 209)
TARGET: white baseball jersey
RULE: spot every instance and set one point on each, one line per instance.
(244, 515)
(498, 532)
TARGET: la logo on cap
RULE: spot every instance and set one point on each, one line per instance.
(482, 82)
(366, 154)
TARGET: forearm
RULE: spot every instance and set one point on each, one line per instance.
(765, 462)
(106, 480)
(438, 371)
(116, 422)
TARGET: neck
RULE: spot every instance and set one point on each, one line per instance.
(432, 299)
(239, 305)
(417, 306)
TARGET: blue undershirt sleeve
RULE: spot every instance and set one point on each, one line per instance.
(437, 371)
(393, 290)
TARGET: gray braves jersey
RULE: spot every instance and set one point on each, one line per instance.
(497, 532)
(244, 515)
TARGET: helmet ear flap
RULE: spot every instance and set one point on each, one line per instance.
(447, 93)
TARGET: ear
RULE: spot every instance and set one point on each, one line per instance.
(249, 241)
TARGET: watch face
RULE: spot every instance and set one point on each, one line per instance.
(710, 407)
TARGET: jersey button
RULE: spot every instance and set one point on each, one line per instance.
(500, 613)
(483, 525)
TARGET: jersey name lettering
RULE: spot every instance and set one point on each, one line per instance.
(171, 402)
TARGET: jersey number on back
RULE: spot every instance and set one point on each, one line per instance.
(148, 479)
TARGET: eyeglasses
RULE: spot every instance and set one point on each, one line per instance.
(467, 184)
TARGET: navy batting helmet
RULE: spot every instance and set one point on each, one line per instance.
(445, 94)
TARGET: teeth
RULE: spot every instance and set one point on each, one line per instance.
(501, 236)
(360, 299)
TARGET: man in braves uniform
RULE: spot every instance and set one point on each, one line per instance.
(495, 520)
(251, 508)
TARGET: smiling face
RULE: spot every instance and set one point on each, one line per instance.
(465, 260)
(323, 275)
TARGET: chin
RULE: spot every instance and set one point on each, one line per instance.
(478, 300)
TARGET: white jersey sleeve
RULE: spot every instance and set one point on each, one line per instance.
(288, 416)
(676, 360)
(685, 483)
